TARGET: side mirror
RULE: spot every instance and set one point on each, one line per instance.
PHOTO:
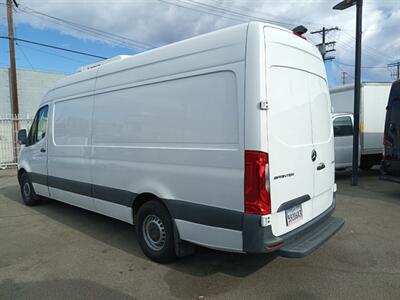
(22, 137)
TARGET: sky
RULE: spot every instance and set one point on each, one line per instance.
(117, 27)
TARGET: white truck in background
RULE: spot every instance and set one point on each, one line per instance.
(372, 121)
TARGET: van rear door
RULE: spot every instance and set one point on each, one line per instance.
(300, 138)
(322, 129)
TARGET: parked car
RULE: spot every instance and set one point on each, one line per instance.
(390, 168)
(223, 140)
(343, 129)
(372, 117)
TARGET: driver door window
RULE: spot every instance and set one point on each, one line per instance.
(39, 126)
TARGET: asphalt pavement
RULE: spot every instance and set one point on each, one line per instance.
(57, 251)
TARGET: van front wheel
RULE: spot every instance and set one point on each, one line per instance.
(28, 193)
(155, 232)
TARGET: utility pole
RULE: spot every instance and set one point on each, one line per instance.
(13, 75)
(344, 78)
(357, 82)
(396, 71)
(323, 46)
(13, 67)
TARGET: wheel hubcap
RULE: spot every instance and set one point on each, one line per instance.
(27, 190)
(154, 232)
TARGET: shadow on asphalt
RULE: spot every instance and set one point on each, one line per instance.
(121, 235)
(346, 174)
(58, 289)
(369, 185)
(199, 275)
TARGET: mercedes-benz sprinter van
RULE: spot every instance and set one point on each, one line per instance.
(223, 140)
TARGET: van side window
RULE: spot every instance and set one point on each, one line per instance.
(42, 123)
(39, 126)
(342, 126)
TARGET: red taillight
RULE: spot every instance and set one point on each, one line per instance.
(385, 144)
(299, 35)
(257, 199)
(275, 245)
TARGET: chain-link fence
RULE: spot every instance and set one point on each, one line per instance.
(9, 146)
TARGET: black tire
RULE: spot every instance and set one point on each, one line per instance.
(155, 232)
(28, 193)
(366, 165)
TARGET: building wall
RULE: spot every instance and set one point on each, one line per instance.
(5, 104)
(32, 86)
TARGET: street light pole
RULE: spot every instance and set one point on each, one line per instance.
(357, 82)
(357, 94)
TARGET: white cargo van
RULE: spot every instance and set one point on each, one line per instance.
(224, 140)
(373, 103)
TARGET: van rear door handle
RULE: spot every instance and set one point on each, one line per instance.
(320, 166)
(42, 150)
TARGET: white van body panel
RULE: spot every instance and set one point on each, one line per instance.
(69, 151)
(210, 236)
(174, 122)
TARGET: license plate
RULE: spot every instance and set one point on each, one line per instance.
(294, 215)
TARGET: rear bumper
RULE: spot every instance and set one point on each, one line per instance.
(297, 243)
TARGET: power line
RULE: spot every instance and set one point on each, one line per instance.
(54, 47)
(25, 56)
(234, 12)
(343, 42)
(202, 11)
(222, 12)
(54, 54)
(289, 23)
(365, 67)
(371, 49)
(132, 43)
(340, 68)
(80, 30)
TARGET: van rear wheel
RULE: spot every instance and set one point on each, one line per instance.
(155, 232)
(28, 193)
